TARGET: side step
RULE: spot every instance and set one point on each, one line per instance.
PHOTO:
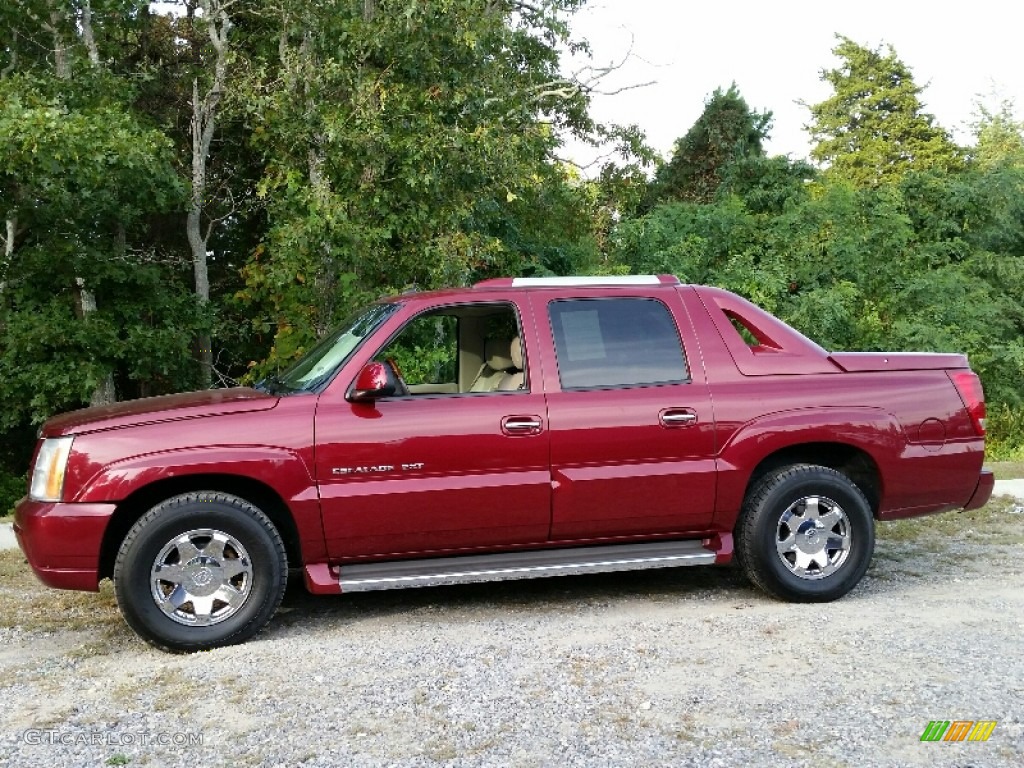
(507, 566)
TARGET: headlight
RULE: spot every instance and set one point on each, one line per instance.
(48, 473)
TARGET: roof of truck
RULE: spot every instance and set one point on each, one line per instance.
(577, 280)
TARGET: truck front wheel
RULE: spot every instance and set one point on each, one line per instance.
(805, 534)
(200, 570)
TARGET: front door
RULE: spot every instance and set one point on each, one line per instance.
(456, 461)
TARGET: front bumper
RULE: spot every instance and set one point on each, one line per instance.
(983, 492)
(62, 542)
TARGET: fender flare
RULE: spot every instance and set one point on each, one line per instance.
(290, 478)
(873, 431)
(282, 471)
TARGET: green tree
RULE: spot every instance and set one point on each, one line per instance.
(997, 168)
(727, 131)
(767, 184)
(93, 305)
(873, 128)
(405, 144)
(998, 136)
(896, 267)
(78, 186)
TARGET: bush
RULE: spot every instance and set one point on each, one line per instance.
(1005, 433)
(12, 488)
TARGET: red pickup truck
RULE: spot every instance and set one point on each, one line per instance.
(515, 429)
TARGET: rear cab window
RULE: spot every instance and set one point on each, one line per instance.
(616, 342)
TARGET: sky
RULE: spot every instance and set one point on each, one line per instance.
(775, 51)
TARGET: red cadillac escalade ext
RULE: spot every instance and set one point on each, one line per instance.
(515, 429)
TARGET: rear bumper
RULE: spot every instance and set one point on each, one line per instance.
(983, 492)
(62, 541)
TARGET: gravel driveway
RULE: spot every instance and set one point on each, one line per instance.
(684, 667)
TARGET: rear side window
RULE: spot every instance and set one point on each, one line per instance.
(615, 343)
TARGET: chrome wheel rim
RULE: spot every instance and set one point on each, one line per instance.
(813, 537)
(201, 577)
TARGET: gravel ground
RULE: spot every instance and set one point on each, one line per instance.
(684, 667)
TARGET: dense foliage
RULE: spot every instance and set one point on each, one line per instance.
(873, 128)
(903, 242)
(728, 132)
(214, 189)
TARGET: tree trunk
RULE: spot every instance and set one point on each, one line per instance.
(104, 394)
(13, 63)
(87, 35)
(61, 65)
(11, 232)
(324, 282)
(204, 123)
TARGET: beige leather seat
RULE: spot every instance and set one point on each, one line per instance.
(496, 362)
(516, 378)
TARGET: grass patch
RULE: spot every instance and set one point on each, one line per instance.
(994, 519)
(1006, 470)
(949, 542)
(27, 603)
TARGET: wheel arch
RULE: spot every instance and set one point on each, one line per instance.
(141, 500)
(860, 442)
(849, 460)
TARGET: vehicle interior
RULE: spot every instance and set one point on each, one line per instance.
(459, 349)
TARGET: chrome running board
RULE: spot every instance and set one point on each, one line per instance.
(507, 566)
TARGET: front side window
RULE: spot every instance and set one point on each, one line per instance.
(426, 351)
(467, 348)
(615, 343)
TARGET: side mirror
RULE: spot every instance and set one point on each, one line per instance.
(376, 380)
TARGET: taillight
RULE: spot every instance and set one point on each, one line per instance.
(968, 385)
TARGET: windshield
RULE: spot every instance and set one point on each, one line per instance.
(316, 367)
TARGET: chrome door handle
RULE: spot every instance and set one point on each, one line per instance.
(521, 424)
(678, 418)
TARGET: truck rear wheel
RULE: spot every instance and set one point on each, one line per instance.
(200, 570)
(805, 534)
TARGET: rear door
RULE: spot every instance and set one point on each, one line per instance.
(630, 416)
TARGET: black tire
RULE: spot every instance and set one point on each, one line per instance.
(805, 534)
(221, 576)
